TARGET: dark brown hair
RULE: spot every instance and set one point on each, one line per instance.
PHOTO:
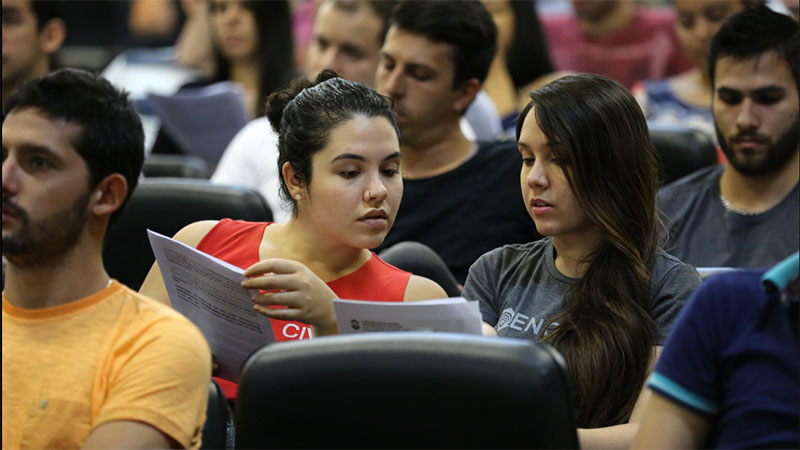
(606, 333)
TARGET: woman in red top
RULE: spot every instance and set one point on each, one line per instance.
(340, 168)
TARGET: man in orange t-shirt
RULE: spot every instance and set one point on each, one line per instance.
(86, 361)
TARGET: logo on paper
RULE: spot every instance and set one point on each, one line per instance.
(355, 325)
(505, 318)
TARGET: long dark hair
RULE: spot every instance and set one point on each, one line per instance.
(527, 58)
(606, 333)
(275, 49)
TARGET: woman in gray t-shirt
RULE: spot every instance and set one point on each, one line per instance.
(598, 288)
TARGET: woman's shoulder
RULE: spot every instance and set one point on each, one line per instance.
(515, 254)
(668, 268)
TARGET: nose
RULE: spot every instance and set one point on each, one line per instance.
(537, 178)
(748, 117)
(375, 192)
(232, 13)
(329, 60)
(704, 30)
(395, 86)
(10, 182)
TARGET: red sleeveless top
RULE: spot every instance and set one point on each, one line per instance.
(237, 242)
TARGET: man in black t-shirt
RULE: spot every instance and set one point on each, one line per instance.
(460, 198)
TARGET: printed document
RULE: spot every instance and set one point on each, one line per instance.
(450, 314)
(208, 291)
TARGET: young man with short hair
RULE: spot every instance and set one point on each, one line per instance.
(745, 213)
(460, 198)
(86, 361)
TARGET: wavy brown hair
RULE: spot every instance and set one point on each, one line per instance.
(606, 333)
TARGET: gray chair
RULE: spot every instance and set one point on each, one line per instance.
(681, 150)
(405, 390)
(166, 205)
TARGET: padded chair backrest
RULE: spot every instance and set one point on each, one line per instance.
(405, 390)
(177, 166)
(422, 260)
(218, 431)
(681, 150)
(166, 205)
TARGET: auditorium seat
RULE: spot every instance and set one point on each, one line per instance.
(681, 150)
(175, 166)
(421, 260)
(405, 390)
(218, 431)
(166, 205)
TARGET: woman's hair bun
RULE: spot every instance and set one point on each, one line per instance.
(277, 101)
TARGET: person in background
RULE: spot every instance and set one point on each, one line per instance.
(460, 197)
(252, 44)
(521, 58)
(86, 361)
(617, 39)
(728, 376)
(745, 213)
(32, 32)
(686, 98)
(598, 288)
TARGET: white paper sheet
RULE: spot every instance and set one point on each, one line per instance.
(208, 291)
(450, 314)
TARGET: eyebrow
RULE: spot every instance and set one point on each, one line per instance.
(771, 89)
(361, 158)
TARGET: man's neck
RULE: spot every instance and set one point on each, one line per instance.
(759, 194)
(437, 155)
(618, 19)
(79, 274)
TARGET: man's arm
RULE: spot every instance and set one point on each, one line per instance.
(668, 425)
(128, 434)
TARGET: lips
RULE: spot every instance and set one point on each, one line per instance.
(539, 206)
(11, 212)
(375, 214)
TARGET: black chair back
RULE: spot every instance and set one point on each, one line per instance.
(166, 205)
(218, 431)
(422, 260)
(405, 390)
(681, 150)
(175, 166)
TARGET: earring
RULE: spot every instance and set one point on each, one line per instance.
(298, 197)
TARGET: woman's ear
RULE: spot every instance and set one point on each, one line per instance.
(293, 181)
(109, 195)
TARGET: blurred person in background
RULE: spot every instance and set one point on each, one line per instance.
(617, 39)
(520, 60)
(33, 31)
(252, 42)
(686, 98)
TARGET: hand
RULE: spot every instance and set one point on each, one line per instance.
(307, 298)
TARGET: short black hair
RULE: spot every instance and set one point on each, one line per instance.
(753, 32)
(466, 25)
(305, 114)
(111, 139)
(45, 11)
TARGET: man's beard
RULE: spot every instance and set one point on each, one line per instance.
(44, 241)
(774, 159)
